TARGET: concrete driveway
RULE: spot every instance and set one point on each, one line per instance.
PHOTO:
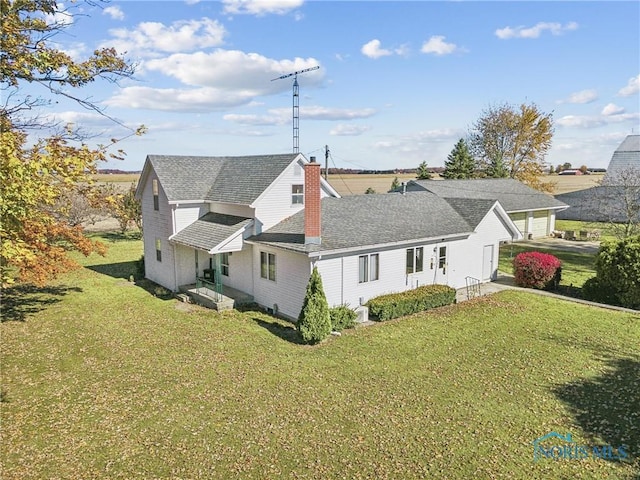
(576, 246)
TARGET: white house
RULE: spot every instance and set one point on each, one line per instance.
(260, 224)
(532, 211)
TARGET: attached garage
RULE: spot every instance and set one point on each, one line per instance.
(540, 223)
(532, 211)
(520, 219)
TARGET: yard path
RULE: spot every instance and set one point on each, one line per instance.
(564, 245)
(506, 282)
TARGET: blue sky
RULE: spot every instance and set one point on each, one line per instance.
(399, 82)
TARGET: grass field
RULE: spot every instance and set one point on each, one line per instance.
(100, 379)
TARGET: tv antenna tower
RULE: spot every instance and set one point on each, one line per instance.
(296, 104)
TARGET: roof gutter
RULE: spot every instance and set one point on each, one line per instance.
(339, 252)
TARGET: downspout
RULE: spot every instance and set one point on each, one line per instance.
(341, 280)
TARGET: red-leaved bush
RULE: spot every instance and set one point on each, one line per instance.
(537, 270)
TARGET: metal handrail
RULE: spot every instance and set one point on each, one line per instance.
(473, 287)
(210, 287)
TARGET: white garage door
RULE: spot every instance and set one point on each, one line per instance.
(540, 222)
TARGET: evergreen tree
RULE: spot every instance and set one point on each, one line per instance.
(395, 184)
(369, 190)
(314, 321)
(459, 163)
(422, 173)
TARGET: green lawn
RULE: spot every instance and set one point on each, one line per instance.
(606, 230)
(576, 267)
(101, 379)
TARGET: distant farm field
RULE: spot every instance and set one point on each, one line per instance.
(354, 184)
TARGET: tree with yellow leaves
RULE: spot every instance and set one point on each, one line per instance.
(510, 141)
(35, 175)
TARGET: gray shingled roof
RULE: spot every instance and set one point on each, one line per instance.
(239, 180)
(210, 230)
(367, 220)
(472, 210)
(626, 156)
(513, 195)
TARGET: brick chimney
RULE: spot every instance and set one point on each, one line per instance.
(312, 203)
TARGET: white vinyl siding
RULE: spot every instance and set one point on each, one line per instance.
(158, 224)
(276, 204)
(183, 216)
(288, 291)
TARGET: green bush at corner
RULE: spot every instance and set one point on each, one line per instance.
(617, 280)
(314, 322)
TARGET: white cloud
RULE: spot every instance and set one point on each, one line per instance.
(274, 119)
(372, 49)
(77, 51)
(349, 130)
(260, 7)
(92, 119)
(325, 113)
(632, 87)
(437, 46)
(149, 38)
(583, 96)
(176, 100)
(219, 80)
(114, 12)
(234, 70)
(535, 31)
(283, 116)
(61, 16)
(612, 109)
(592, 121)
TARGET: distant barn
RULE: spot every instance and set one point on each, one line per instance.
(626, 157)
(607, 203)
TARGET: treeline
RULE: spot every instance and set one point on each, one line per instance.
(396, 171)
(115, 171)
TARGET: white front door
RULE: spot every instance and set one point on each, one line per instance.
(487, 263)
(441, 264)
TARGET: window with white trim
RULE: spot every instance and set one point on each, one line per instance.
(368, 268)
(224, 264)
(297, 194)
(158, 249)
(442, 257)
(156, 190)
(268, 266)
(415, 258)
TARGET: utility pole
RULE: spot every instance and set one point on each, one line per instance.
(296, 104)
(326, 162)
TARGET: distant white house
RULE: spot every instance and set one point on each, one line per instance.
(533, 212)
(259, 224)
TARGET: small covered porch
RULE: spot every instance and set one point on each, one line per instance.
(226, 299)
(206, 247)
